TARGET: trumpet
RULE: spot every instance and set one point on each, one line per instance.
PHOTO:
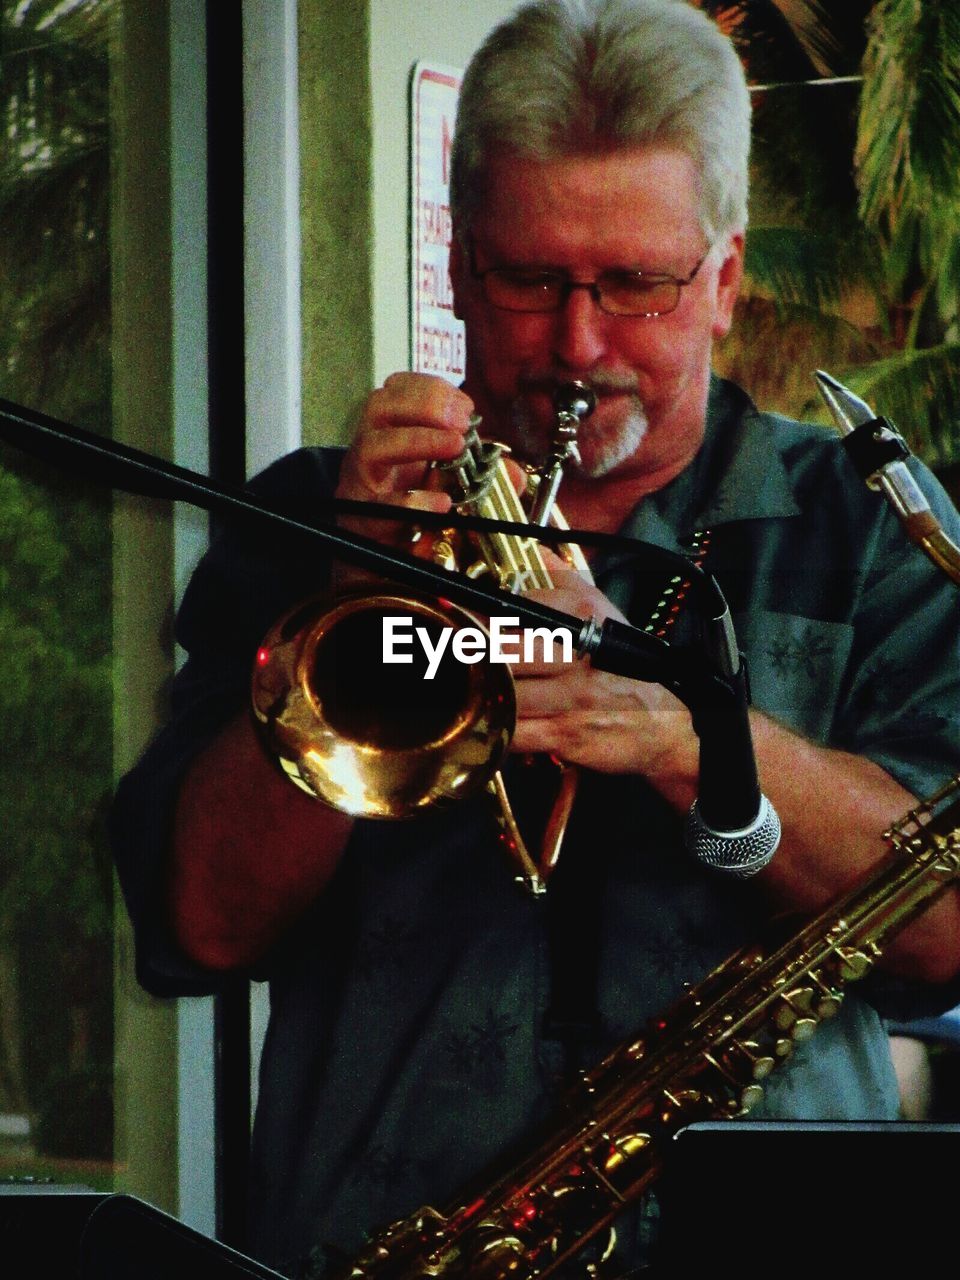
(363, 737)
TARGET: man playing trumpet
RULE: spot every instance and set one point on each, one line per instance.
(599, 205)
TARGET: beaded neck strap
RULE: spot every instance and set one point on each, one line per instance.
(667, 609)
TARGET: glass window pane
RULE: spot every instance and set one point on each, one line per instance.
(56, 908)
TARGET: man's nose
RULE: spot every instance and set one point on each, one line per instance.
(580, 333)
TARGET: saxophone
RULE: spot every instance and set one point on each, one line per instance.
(707, 1058)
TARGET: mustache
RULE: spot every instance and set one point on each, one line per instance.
(601, 381)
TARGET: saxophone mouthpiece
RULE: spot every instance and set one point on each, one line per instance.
(848, 410)
(575, 398)
(880, 458)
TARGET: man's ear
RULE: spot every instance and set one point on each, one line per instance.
(458, 272)
(729, 278)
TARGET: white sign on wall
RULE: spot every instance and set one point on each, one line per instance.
(436, 336)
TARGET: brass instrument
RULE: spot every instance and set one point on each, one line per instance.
(882, 462)
(366, 739)
(705, 1059)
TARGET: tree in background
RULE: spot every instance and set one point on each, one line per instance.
(54, 206)
(853, 253)
(55, 767)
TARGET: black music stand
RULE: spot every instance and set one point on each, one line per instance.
(72, 1233)
(809, 1198)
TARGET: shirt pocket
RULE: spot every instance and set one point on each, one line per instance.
(797, 667)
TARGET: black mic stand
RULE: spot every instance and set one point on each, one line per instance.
(730, 810)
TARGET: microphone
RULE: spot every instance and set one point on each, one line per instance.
(731, 827)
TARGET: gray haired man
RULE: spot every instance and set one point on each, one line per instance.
(599, 202)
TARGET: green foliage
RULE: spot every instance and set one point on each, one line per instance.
(55, 702)
(803, 266)
(55, 575)
(55, 709)
(54, 208)
(908, 147)
(856, 214)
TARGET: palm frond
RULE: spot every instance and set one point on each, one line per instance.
(52, 79)
(777, 41)
(803, 138)
(808, 267)
(54, 204)
(62, 200)
(774, 347)
(813, 29)
(908, 144)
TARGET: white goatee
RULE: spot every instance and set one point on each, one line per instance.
(605, 450)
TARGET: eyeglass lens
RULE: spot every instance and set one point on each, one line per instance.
(618, 293)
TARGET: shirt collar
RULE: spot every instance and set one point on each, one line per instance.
(738, 474)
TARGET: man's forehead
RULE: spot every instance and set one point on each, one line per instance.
(620, 159)
(648, 194)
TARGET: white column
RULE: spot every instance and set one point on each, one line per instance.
(272, 230)
(196, 1146)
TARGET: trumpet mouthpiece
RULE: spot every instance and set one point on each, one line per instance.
(576, 398)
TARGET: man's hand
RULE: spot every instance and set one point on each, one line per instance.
(414, 419)
(592, 718)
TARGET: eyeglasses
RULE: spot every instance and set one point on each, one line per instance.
(617, 292)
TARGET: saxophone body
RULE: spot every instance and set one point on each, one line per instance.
(707, 1058)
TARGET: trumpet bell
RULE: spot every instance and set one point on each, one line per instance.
(372, 739)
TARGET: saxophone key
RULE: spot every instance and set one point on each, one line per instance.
(741, 1056)
(500, 1256)
(761, 1064)
(624, 1149)
(795, 1004)
(827, 998)
(854, 964)
(803, 1029)
(676, 1103)
(750, 1097)
(828, 1006)
(682, 1098)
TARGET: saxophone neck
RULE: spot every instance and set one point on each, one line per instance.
(879, 453)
